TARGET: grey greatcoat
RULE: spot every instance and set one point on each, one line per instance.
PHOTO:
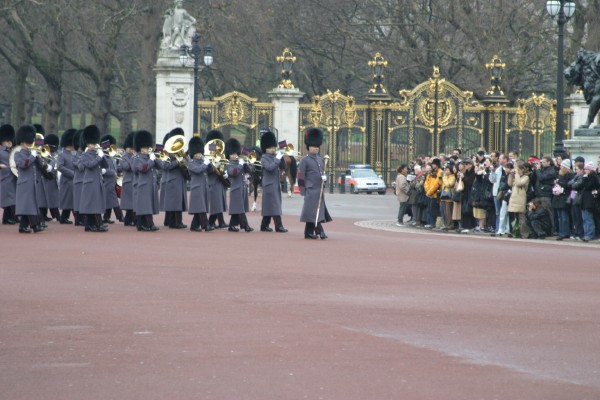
(26, 187)
(65, 167)
(309, 181)
(175, 187)
(238, 193)
(92, 187)
(40, 190)
(110, 182)
(145, 201)
(198, 186)
(271, 194)
(128, 176)
(216, 193)
(164, 176)
(51, 188)
(77, 180)
(8, 180)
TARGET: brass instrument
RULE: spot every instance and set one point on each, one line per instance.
(176, 146)
(46, 154)
(289, 150)
(252, 159)
(11, 160)
(113, 152)
(163, 155)
(216, 157)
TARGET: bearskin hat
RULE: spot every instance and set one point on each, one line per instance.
(267, 140)
(232, 146)
(66, 139)
(90, 135)
(165, 138)
(52, 140)
(195, 146)
(176, 131)
(7, 132)
(128, 143)
(77, 142)
(313, 137)
(111, 139)
(39, 129)
(214, 134)
(25, 134)
(142, 139)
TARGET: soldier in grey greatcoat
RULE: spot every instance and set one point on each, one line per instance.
(145, 165)
(217, 189)
(272, 165)
(8, 180)
(40, 184)
(176, 187)
(311, 177)
(128, 177)
(64, 165)
(92, 188)
(198, 167)
(238, 194)
(51, 185)
(164, 177)
(28, 172)
(111, 199)
(77, 177)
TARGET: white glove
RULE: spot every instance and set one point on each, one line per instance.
(217, 164)
(206, 161)
(152, 156)
(279, 156)
(49, 168)
(100, 153)
(324, 178)
(242, 162)
(225, 175)
(103, 171)
(34, 153)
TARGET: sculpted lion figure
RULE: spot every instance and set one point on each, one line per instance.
(585, 73)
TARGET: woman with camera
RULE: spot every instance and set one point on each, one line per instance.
(518, 180)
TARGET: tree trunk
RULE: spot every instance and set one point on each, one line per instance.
(82, 119)
(101, 111)
(146, 118)
(67, 115)
(53, 106)
(17, 117)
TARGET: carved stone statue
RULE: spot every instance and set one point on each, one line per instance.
(585, 73)
(178, 28)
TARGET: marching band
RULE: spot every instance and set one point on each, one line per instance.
(87, 176)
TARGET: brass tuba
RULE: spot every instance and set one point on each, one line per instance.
(216, 157)
(176, 145)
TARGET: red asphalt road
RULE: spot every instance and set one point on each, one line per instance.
(363, 315)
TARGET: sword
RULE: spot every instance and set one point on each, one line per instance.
(326, 158)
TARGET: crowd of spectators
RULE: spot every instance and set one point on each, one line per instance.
(501, 195)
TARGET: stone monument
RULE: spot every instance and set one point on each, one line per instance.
(585, 73)
(174, 82)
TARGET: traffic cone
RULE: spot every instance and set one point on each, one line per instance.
(296, 189)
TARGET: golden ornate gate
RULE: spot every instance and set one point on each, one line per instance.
(236, 115)
(344, 125)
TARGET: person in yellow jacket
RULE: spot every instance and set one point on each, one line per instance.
(432, 187)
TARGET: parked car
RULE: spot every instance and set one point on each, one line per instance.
(362, 178)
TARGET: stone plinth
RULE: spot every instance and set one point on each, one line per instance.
(174, 95)
(286, 114)
(585, 143)
(577, 103)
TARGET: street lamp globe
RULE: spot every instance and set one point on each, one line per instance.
(208, 57)
(569, 9)
(553, 7)
(183, 55)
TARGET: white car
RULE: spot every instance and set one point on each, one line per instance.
(363, 179)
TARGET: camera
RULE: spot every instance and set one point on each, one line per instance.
(510, 165)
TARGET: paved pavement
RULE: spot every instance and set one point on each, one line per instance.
(384, 313)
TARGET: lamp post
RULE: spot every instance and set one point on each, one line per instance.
(378, 65)
(286, 60)
(563, 9)
(195, 52)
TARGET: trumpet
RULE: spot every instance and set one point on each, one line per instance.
(252, 159)
(113, 152)
(163, 155)
(46, 154)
